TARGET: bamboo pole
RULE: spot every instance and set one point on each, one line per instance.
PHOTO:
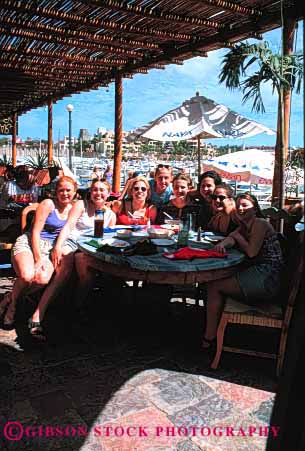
(50, 132)
(116, 184)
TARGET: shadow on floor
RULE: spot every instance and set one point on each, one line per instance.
(135, 361)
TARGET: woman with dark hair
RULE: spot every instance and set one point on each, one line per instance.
(179, 206)
(259, 277)
(206, 186)
(223, 207)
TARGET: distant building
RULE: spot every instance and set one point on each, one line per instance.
(101, 131)
(84, 134)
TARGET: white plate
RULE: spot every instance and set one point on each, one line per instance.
(214, 238)
(139, 234)
(113, 242)
(162, 242)
(193, 240)
(170, 226)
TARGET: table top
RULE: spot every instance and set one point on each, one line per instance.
(159, 269)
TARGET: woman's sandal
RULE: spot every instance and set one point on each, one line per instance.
(36, 330)
(208, 344)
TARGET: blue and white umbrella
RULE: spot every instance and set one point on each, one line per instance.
(250, 165)
(199, 116)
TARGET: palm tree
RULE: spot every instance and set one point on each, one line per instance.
(283, 72)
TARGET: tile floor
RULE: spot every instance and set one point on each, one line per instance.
(130, 378)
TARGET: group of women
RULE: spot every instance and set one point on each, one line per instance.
(45, 256)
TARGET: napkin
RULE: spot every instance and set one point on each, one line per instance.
(188, 253)
(104, 247)
(114, 229)
(93, 243)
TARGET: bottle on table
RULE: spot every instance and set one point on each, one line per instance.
(184, 230)
(99, 224)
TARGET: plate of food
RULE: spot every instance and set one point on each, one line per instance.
(173, 227)
(114, 242)
(123, 234)
(162, 242)
(139, 234)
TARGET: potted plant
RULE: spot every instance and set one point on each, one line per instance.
(41, 163)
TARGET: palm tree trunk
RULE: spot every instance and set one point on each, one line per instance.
(282, 138)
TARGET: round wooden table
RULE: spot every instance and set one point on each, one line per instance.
(159, 269)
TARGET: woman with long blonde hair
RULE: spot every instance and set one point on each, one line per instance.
(136, 209)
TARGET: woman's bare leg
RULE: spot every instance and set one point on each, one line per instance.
(62, 275)
(24, 267)
(217, 290)
(86, 276)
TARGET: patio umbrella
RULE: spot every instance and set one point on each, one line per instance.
(202, 118)
(250, 165)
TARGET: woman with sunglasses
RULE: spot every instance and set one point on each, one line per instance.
(179, 206)
(223, 208)
(135, 209)
(161, 186)
(259, 277)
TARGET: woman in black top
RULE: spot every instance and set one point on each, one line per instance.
(179, 206)
(207, 183)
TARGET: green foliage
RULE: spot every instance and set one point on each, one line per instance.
(282, 72)
(40, 162)
(5, 161)
(181, 148)
(296, 159)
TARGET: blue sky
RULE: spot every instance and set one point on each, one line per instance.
(146, 97)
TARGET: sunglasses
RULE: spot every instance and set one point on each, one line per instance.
(166, 166)
(215, 197)
(140, 188)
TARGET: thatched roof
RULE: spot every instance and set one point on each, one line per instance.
(50, 49)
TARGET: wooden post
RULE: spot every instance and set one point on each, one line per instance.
(282, 138)
(14, 140)
(116, 184)
(50, 132)
(198, 156)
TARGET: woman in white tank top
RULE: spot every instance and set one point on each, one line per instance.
(81, 218)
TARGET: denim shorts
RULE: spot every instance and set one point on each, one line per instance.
(258, 283)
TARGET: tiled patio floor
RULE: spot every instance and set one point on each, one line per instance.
(133, 378)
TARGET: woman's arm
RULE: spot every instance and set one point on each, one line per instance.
(122, 195)
(229, 206)
(228, 242)
(41, 214)
(112, 219)
(252, 244)
(116, 206)
(74, 214)
(153, 213)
